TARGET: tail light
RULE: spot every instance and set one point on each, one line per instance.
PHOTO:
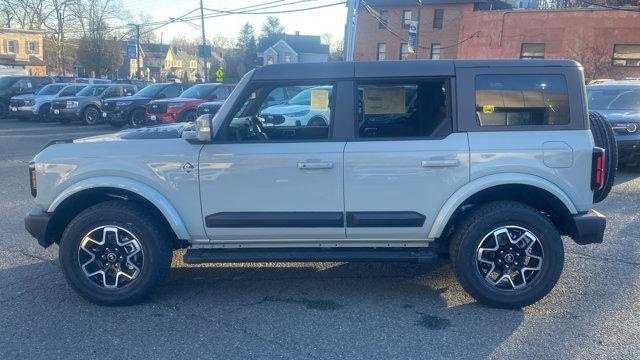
(597, 169)
(32, 179)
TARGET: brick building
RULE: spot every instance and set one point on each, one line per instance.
(22, 49)
(606, 42)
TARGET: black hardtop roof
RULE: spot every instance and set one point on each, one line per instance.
(370, 69)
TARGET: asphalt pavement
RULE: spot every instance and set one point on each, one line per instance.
(310, 310)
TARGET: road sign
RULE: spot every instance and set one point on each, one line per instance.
(219, 75)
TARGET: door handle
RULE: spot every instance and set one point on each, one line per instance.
(315, 165)
(440, 163)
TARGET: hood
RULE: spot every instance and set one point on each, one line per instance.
(168, 131)
(129, 98)
(285, 109)
(176, 100)
(24, 97)
(621, 115)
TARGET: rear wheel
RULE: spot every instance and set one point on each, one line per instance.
(604, 137)
(91, 116)
(317, 121)
(114, 253)
(506, 254)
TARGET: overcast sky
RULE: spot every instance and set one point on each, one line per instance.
(311, 22)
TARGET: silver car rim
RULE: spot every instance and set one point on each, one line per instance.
(92, 116)
(509, 257)
(110, 256)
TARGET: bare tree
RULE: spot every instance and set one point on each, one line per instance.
(595, 59)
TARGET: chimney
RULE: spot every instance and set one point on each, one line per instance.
(297, 33)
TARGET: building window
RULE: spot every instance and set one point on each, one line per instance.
(407, 15)
(626, 55)
(382, 49)
(287, 57)
(435, 51)
(12, 46)
(438, 18)
(384, 19)
(404, 51)
(32, 47)
(532, 51)
(269, 59)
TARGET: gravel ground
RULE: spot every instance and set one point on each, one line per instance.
(310, 310)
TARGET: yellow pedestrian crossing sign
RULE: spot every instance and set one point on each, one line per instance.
(219, 75)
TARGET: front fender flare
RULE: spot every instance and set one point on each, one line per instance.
(137, 187)
(486, 182)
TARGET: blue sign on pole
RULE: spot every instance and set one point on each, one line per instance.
(132, 51)
(412, 42)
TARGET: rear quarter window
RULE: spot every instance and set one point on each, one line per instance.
(521, 100)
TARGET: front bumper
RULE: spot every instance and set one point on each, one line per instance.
(23, 111)
(115, 117)
(66, 113)
(36, 223)
(164, 118)
(588, 227)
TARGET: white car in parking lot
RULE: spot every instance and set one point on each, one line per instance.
(298, 111)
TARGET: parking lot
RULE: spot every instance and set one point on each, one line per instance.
(310, 310)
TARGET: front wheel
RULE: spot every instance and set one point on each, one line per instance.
(507, 254)
(137, 119)
(91, 116)
(114, 253)
(190, 116)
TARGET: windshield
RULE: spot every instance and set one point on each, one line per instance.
(614, 99)
(50, 89)
(198, 92)
(71, 90)
(6, 81)
(93, 90)
(304, 97)
(151, 90)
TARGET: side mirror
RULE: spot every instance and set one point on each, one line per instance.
(202, 130)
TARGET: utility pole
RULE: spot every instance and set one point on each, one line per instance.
(349, 31)
(204, 43)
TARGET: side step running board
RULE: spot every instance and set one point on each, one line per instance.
(199, 256)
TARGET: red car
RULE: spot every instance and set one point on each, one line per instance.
(183, 108)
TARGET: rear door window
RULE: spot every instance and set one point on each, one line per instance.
(521, 100)
(412, 109)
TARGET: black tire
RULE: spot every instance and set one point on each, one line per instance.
(137, 119)
(483, 220)
(134, 219)
(604, 137)
(189, 116)
(4, 110)
(317, 121)
(91, 115)
(44, 115)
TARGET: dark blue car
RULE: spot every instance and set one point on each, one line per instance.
(619, 102)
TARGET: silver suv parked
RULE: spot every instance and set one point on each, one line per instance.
(487, 163)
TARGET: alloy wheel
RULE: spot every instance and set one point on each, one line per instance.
(509, 258)
(110, 256)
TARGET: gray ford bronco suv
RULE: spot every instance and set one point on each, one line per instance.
(486, 163)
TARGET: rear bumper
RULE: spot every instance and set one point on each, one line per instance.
(588, 227)
(36, 223)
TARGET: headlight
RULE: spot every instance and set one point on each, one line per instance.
(626, 127)
(177, 105)
(72, 104)
(297, 113)
(123, 103)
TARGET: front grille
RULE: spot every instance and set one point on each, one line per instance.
(157, 108)
(17, 103)
(58, 105)
(109, 106)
